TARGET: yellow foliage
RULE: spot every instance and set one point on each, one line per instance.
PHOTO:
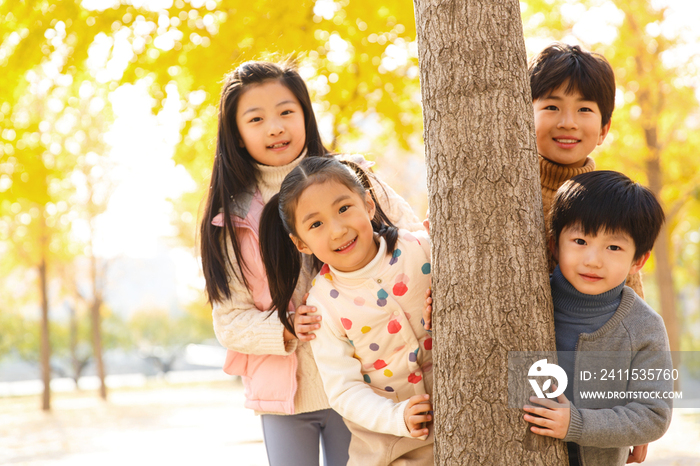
(359, 59)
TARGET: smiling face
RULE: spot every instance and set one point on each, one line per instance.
(270, 121)
(333, 223)
(567, 127)
(596, 264)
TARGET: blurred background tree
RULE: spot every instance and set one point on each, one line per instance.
(43, 63)
(68, 68)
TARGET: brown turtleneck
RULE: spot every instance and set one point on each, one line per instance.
(552, 176)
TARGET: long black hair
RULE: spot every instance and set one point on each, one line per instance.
(281, 258)
(235, 171)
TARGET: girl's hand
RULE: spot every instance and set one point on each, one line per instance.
(287, 335)
(304, 324)
(428, 310)
(417, 414)
(552, 420)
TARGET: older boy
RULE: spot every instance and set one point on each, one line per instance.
(603, 227)
(573, 95)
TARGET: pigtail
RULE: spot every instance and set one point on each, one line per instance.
(384, 228)
(281, 258)
(380, 223)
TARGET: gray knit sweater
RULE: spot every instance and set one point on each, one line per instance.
(605, 429)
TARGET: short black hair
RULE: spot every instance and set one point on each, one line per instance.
(586, 72)
(610, 201)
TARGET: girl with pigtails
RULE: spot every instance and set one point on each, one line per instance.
(372, 352)
(266, 127)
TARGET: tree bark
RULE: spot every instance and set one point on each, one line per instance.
(490, 280)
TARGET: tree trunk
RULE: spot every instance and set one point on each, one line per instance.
(74, 346)
(651, 100)
(664, 268)
(45, 342)
(662, 255)
(77, 362)
(490, 281)
(96, 322)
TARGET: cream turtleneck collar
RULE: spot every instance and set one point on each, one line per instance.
(270, 178)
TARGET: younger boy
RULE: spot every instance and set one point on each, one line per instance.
(603, 227)
(573, 95)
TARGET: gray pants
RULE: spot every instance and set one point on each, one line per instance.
(293, 440)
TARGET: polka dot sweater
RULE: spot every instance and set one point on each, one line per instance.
(372, 351)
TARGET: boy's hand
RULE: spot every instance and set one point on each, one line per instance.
(417, 413)
(638, 454)
(304, 324)
(554, 418)
(428, 310)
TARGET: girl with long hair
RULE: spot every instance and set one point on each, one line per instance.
(266, 127)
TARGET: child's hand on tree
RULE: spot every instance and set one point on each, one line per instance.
(428, 310)
(417, 414)
(552, 420)
(304, 323)
(638, 454)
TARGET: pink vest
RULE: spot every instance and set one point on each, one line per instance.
(269, 380)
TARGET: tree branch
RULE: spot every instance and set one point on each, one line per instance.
(677, 122)
(690, 187)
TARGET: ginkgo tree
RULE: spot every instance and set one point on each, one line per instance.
(43, 51)
(34, 213)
